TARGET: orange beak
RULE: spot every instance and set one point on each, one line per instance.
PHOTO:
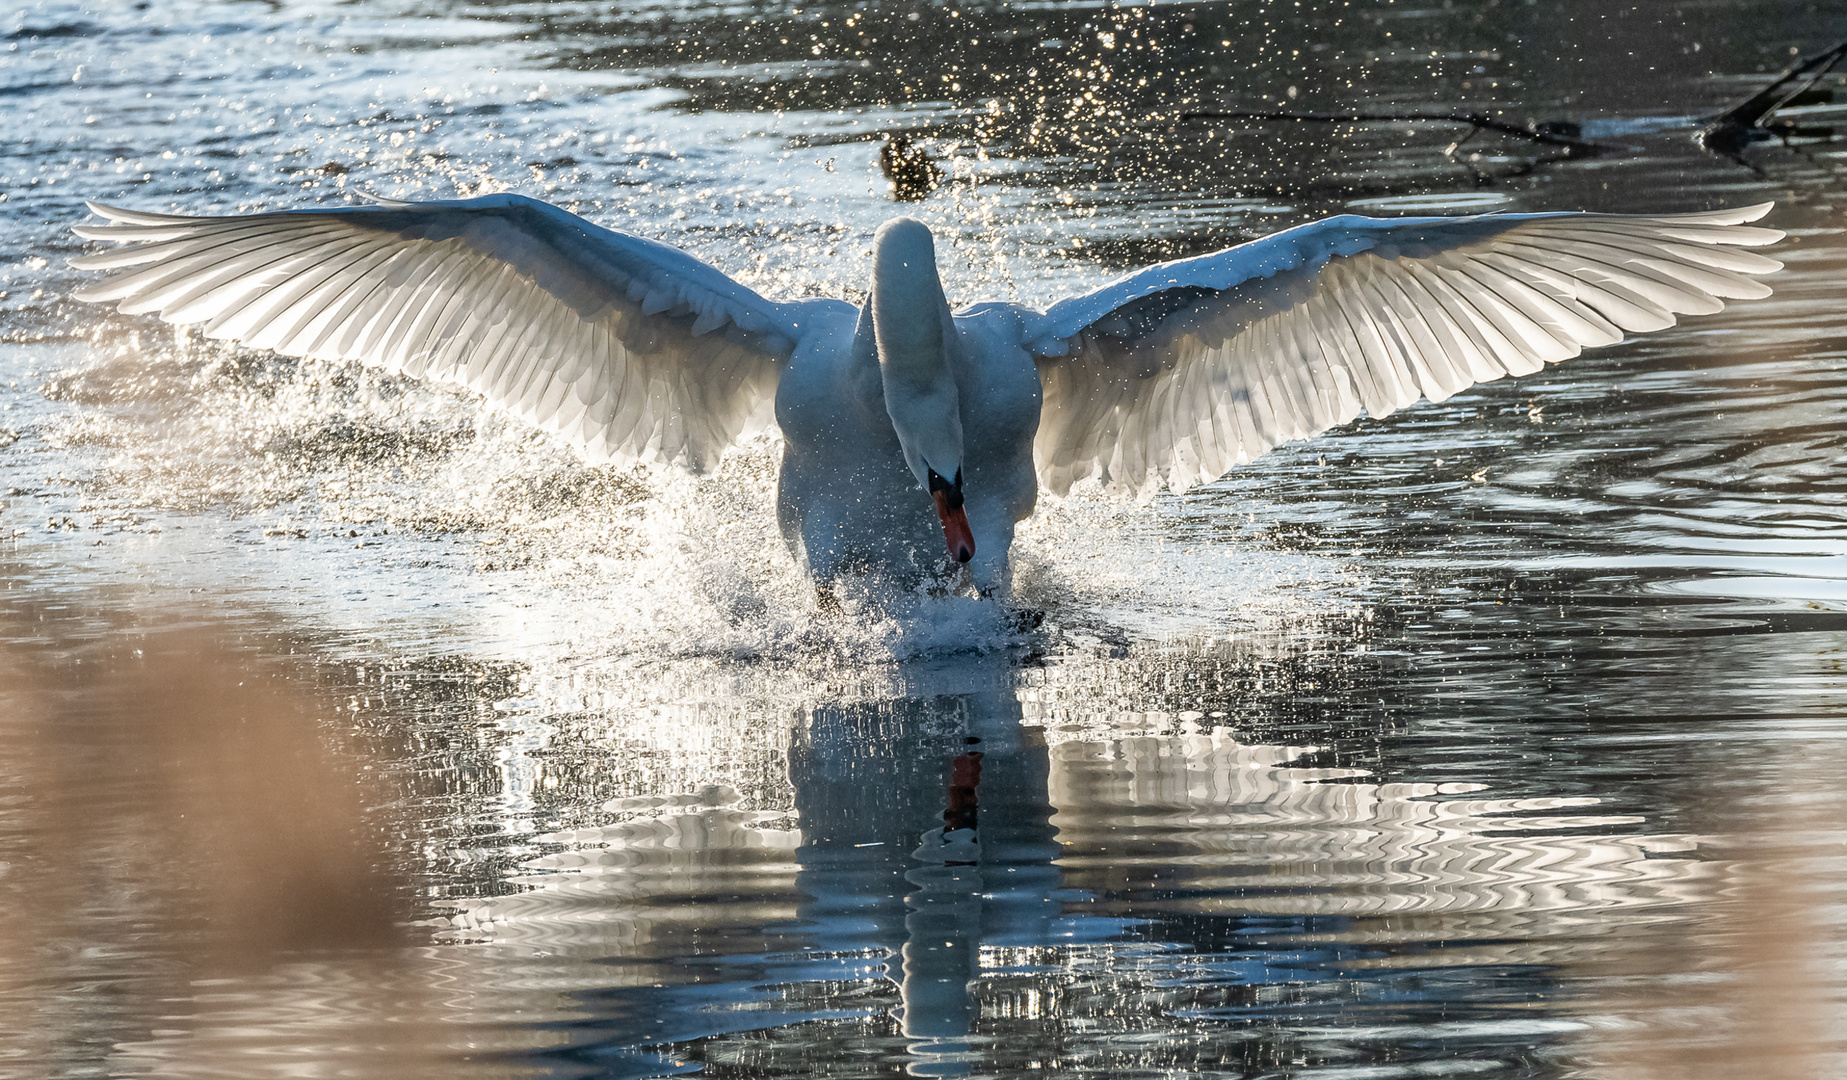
(955, 528)
(948, 498)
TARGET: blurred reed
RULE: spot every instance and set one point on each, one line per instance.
(1751, 985)
(193, 879)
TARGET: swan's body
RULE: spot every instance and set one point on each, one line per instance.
(1167, 377)
(846, 498)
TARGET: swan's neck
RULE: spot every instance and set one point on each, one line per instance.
(908, 306)
(911, 324)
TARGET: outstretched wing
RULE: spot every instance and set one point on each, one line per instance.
(1176, 373)
(632, 349)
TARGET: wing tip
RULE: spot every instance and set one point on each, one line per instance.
(111, 216)
(121, 215)
(1727, 215)
(93, 232)
(1754, 211)
(1756, 236)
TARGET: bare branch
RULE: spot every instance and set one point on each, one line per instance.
(1546, 134)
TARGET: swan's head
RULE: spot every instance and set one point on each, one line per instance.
(911, 323)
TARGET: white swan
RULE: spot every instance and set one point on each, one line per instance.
(1169, 376)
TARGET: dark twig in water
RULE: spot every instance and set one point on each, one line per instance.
(1744, 123)
(1549, 134)
(912, 174)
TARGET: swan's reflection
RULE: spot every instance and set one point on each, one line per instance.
(985, 874)
(927, 835)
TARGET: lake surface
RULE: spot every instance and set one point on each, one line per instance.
(353, 731)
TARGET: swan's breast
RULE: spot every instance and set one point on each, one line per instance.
(996, 377)
(1000, 397)
(828, 392)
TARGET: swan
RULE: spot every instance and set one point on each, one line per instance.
(915, 438)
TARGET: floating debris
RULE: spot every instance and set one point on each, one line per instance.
(913, 176)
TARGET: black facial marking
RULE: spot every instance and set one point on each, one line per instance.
(952, 493)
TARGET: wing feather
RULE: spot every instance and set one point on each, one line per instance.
(1367, 356)
(290, 306)
(632, 349)
(344, 296)
(1171, 375)
(1465, 339)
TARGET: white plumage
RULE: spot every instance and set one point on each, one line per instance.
(1181, 371)
(1167, 377)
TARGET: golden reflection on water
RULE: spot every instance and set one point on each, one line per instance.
(1750, 983)
(196, 881)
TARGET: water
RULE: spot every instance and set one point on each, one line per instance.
(353, 731)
